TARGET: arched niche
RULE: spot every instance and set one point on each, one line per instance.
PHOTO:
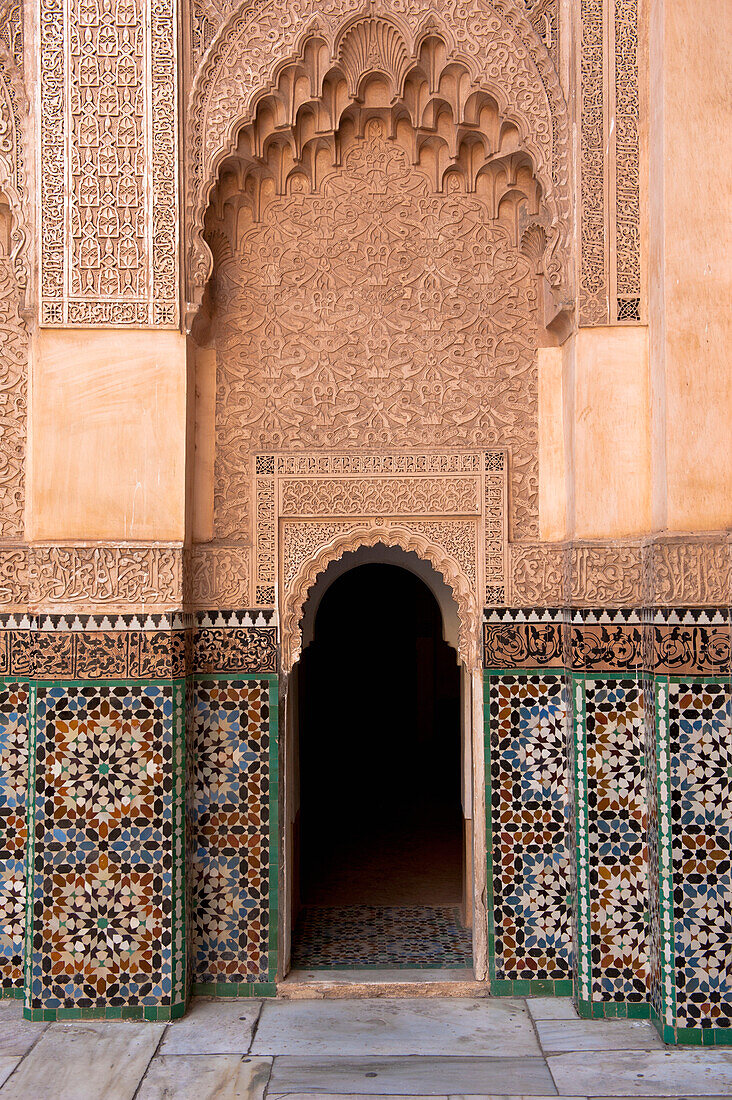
(284, 81)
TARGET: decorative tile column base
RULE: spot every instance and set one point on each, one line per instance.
(105, 932)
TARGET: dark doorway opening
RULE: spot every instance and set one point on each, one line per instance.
(380, 822)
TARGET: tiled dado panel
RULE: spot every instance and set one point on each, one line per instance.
(604, 656)
(14, 695)
(527, 804)
(106, 910)
(234, 805)
(690, 825)
(106, 903)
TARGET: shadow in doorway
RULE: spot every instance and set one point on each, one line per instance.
(380, 821)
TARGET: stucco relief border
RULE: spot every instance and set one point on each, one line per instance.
(456, 498)
(389, 534)
(14, 163)
(250, 46)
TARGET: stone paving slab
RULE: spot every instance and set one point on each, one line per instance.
(644, 1073)
(213, 1027)
(7, 1065)
(91, 1060)
(17, 1035)
(410, 1076)
(205, 1077)
(557, 1036)
(399, 1027)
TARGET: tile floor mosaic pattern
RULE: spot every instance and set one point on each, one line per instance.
(234, 862)
(389, 937)
(617, 838)
(529, 827)
(700, 734)
(106, 848)
(13, 787)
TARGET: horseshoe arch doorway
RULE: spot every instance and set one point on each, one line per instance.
(377, 824)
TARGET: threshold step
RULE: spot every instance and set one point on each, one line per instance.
(321, 984)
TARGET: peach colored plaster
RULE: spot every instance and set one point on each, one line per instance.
(691, 263)
(205, 444)
(107, 428)
(606, 370)
(552, 483)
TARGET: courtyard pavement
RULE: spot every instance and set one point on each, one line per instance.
(308, 1049)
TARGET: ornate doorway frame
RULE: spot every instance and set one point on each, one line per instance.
(448, 508)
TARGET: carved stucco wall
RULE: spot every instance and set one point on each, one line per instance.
(496, 43)
(375, 314)
(14, 276)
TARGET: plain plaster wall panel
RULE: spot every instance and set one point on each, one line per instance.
(611, 430)
(107, 430)
(552, 486)
(691, 264)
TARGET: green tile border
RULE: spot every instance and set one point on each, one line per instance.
(613, 1010)
(150, 1013)
(12, 993)
(234, 989)
(532, 987)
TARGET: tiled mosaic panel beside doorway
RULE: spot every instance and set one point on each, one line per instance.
(700, 743)
(13, 787)
(528, 830)
(234, 871)
(609, 713)
(106, 903)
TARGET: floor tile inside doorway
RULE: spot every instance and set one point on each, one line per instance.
(381, 937)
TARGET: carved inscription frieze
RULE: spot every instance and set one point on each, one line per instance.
(219, 576)
(108, 133)
(114, 577)
(689, 572)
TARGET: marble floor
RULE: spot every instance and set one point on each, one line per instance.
(374, 1047)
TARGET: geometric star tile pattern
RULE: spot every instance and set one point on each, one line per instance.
(107, 835)
(616, 814)
(529, 825)
(700, 734)
(234, 870)
(13, 787)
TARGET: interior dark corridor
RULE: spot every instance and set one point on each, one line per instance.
(380, 819)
